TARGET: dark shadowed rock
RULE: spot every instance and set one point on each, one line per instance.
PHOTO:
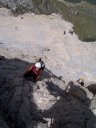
(47, 103)
(92, 88)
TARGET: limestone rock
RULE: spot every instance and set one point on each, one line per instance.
(92, 88)
(42, 104)
(22, 6)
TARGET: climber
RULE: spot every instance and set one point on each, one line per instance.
(34, 71)
(81, 81)
(42, 63)
(71, 32)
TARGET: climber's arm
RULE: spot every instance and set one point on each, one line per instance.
(25, 72)
(28, 70)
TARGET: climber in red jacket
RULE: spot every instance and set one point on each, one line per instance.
(35, 70)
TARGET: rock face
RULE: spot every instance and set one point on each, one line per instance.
(48, 103)
(15, 4)
(21, 6)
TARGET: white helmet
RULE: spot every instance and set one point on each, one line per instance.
(38, 65)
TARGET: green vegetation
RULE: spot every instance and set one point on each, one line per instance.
(83, 16)
(44, 6)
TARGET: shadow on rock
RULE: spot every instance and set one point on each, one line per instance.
(72, 108)
(18, 109)
(92, 88)
(17, 106)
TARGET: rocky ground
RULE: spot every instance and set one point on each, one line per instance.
(56, 100)
(48, 103)
(31, 36)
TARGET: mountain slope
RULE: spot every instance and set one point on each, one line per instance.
(48, 103)
(36, 6)
(81, 14)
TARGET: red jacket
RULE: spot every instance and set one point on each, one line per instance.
(35, 71)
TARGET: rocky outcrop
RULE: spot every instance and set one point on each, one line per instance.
(22, 6)
(18, 4)
(47, 103)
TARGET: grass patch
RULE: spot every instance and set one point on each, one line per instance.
(84, 21)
